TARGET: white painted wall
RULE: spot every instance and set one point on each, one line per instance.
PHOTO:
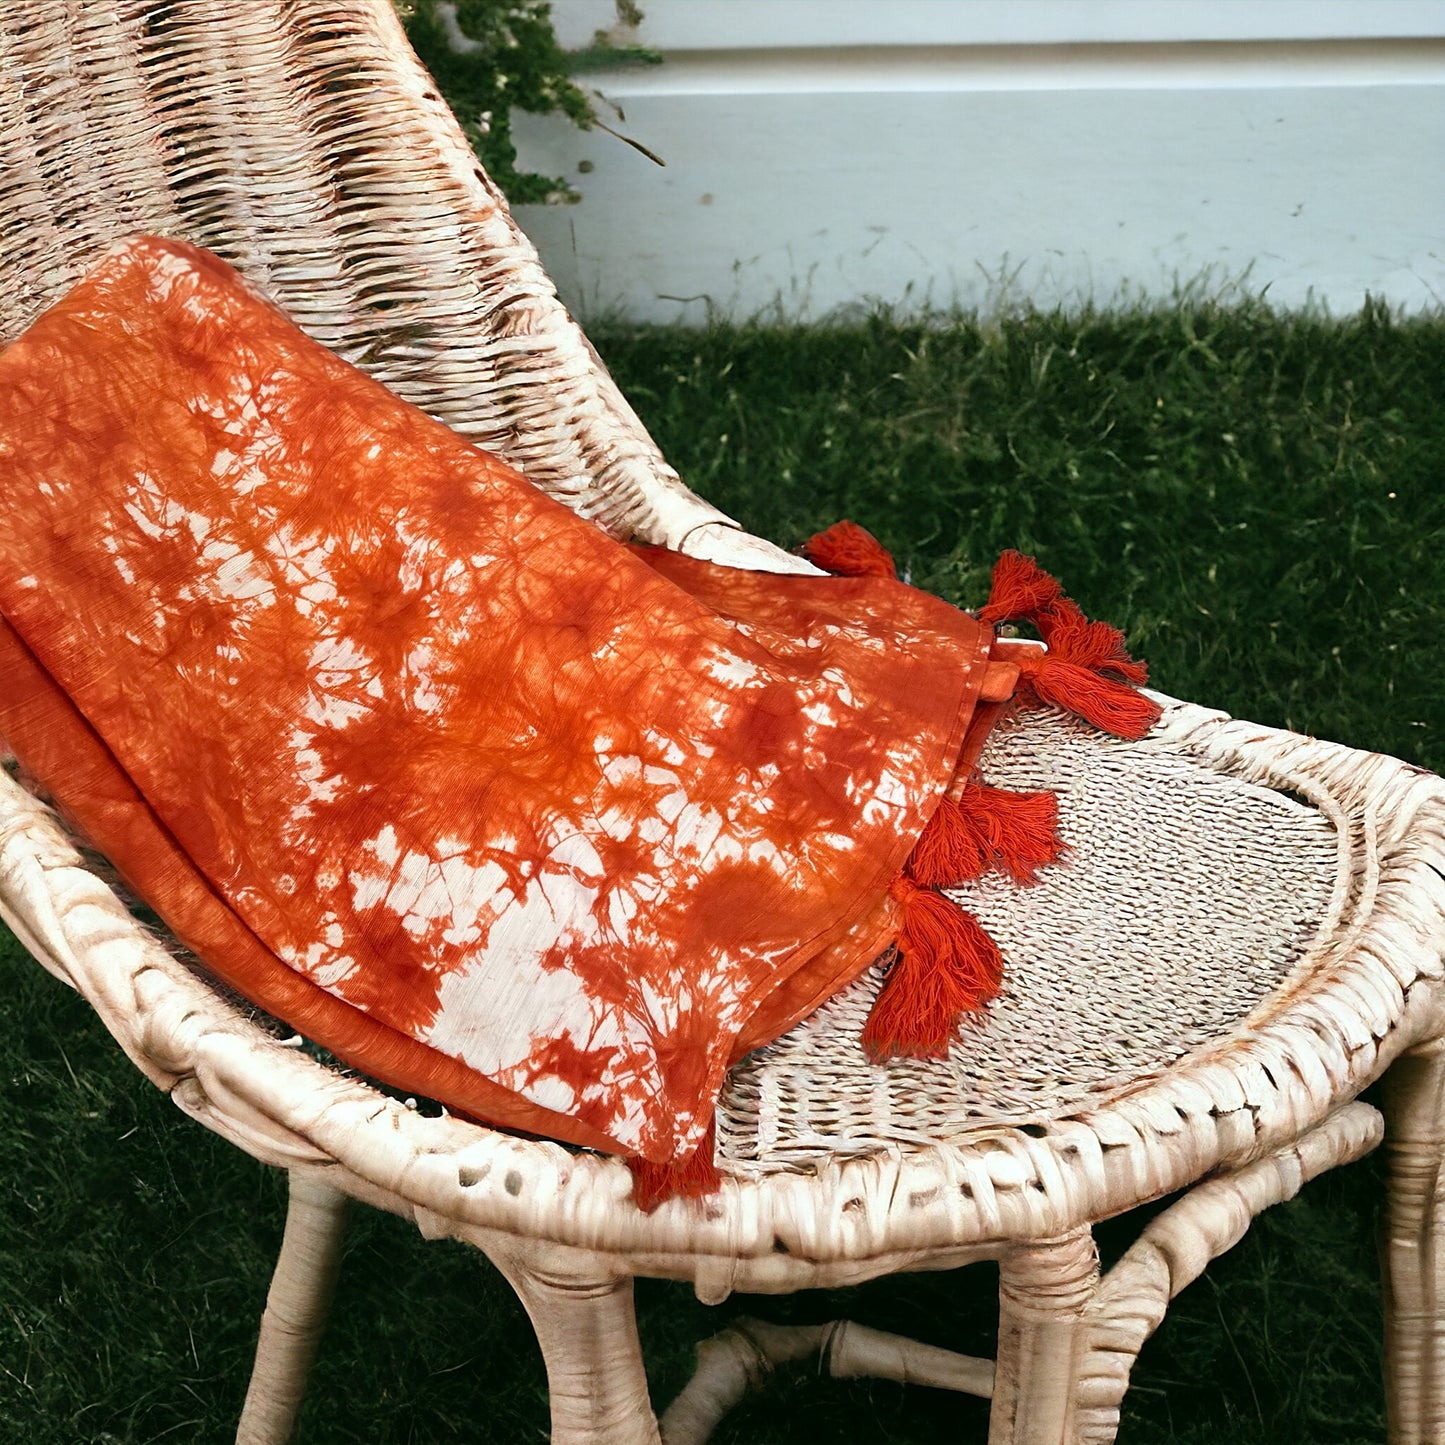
(828, 153)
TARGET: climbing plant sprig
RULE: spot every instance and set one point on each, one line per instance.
(491, 56)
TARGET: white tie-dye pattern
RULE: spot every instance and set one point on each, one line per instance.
(478, 1007)
(731, 670)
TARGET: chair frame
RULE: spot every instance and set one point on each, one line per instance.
(301, 140)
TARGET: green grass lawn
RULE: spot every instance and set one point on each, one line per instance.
(1257, 499)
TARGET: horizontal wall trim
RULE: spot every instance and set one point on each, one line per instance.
(986, 153)
(683, 25)
(942, 68)
(800, 204)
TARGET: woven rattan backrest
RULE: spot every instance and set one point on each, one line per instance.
(302, 141)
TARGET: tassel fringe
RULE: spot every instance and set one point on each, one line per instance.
(948, 850)
(987, 828)
(1021, 589)
(847, 550)
(946, 966)
(1115, 707)
(1095, 645)
(691, 1177)
(1087, 669)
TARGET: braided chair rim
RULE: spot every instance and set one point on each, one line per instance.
(1314, 1043)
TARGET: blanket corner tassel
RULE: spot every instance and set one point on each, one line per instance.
(1086, 670)
(693, 1176)
(847, 550)
(987, 828)
(946, 966)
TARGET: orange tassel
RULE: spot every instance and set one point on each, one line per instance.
(987, 828)
(1095, 645)
(690, 1177)
(946, 965)
(1024, 592)
(1021, 590)
(1019, 831)
(1112, 706)
(846, 550)
(948, 850)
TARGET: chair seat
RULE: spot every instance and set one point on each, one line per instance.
(1188, 895)
(1156, 996)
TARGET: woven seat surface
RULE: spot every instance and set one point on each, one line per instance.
(1187, 896)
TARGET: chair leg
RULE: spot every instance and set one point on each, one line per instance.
(1412, 1246)
(1044, 1290)
(296, 1310)
(583, 1315)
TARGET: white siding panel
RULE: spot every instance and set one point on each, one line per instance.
(982, 174)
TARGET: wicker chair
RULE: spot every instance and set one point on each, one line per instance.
(1283, 896)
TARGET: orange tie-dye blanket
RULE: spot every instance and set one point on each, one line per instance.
(495, 808)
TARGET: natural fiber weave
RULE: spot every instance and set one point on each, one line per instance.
(1186, 896)
(303, 142)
